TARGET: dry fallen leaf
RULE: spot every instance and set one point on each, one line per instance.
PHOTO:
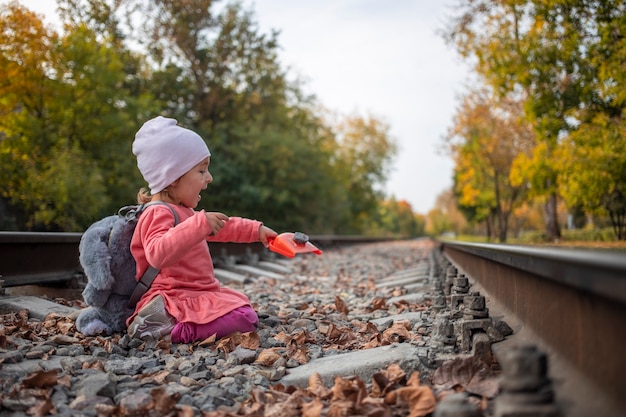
(95, 364)
(229, 343)
(378, 303)
(43, 407)
(164, 402)
(44, 379)
(267, 357)
(250, 341)
(316, 386)
(312, 408)
(395, 373)
(470, 373)
(340, 305)
(419, 398)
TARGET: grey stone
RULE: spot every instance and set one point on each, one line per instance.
(102, 384)
(362, 363)
(128, 366)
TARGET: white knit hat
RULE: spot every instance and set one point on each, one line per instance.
(166, 151)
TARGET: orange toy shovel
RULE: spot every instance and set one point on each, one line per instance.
(289, 244)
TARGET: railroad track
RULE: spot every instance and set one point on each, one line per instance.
(30, 258)
(565, 307)
(571, 303)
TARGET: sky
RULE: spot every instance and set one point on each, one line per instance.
(379, 58)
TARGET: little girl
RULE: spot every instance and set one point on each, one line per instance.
(185, 302)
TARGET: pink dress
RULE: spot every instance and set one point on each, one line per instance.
(186, 279)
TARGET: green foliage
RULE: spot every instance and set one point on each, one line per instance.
(396, 218)
(565, 60)
(487, 137)
(71, 103)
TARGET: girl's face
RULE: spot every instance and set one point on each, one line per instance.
(186, 189)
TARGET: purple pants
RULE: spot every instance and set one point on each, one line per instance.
(243, 319)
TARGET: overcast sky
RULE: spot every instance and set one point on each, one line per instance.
(383, 58)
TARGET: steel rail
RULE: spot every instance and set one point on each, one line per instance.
(31, 258)
(572, 301)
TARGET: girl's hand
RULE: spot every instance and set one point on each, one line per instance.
(266, 233)
(217, 221)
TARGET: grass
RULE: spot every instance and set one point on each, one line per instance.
(588, 239)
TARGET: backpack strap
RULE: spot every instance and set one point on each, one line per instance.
(148, 277)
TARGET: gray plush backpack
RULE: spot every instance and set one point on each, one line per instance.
(112, 291)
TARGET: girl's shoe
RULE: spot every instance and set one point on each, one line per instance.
(152, 322)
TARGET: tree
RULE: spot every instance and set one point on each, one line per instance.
(534, 47)
(362, 159)
(396, 218)
(73, 102)
(487, 136)
(594, 169)
(67, 122)
(594, 153)
(445, 217)
(47, 181)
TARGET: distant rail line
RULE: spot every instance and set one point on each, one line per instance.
(31, 258)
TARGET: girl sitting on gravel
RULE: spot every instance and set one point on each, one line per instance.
(185, 302)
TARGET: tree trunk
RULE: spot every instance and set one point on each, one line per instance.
(489, 224)
(553, 229)
(503, 221)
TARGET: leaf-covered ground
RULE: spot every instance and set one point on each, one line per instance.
(322, 309)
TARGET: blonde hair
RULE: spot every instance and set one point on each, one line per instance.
(144, 196)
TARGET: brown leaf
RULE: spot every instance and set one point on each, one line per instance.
(3, 339)
(470, 373)
(65, 381)
(312, 408)
(282, 337)
(106, 410)
(164, 402)
(352, 389)
(419, 398)
(208, 341)
(398, 332)
(395, 373)
(387, 380)
(62, 339)
(374, 407)
(229, 343)
(316, 386)
(342, 408)
(300, 337)
(340, 305)
(267, 357)
(44, 379)
(160, 377)
(300, 355)
(184, 410)
(375, 341)
(96, 364)
(163, 344)
(22, 316)
(378, 303)
(250, 341)
(379, 384)
(43, 407)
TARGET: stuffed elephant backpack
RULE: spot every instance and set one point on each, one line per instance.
(112, 291)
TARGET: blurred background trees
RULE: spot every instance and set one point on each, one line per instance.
(73, 100)
(538, 140)
(563, 62)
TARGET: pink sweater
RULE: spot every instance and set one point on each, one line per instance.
(186, 279)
